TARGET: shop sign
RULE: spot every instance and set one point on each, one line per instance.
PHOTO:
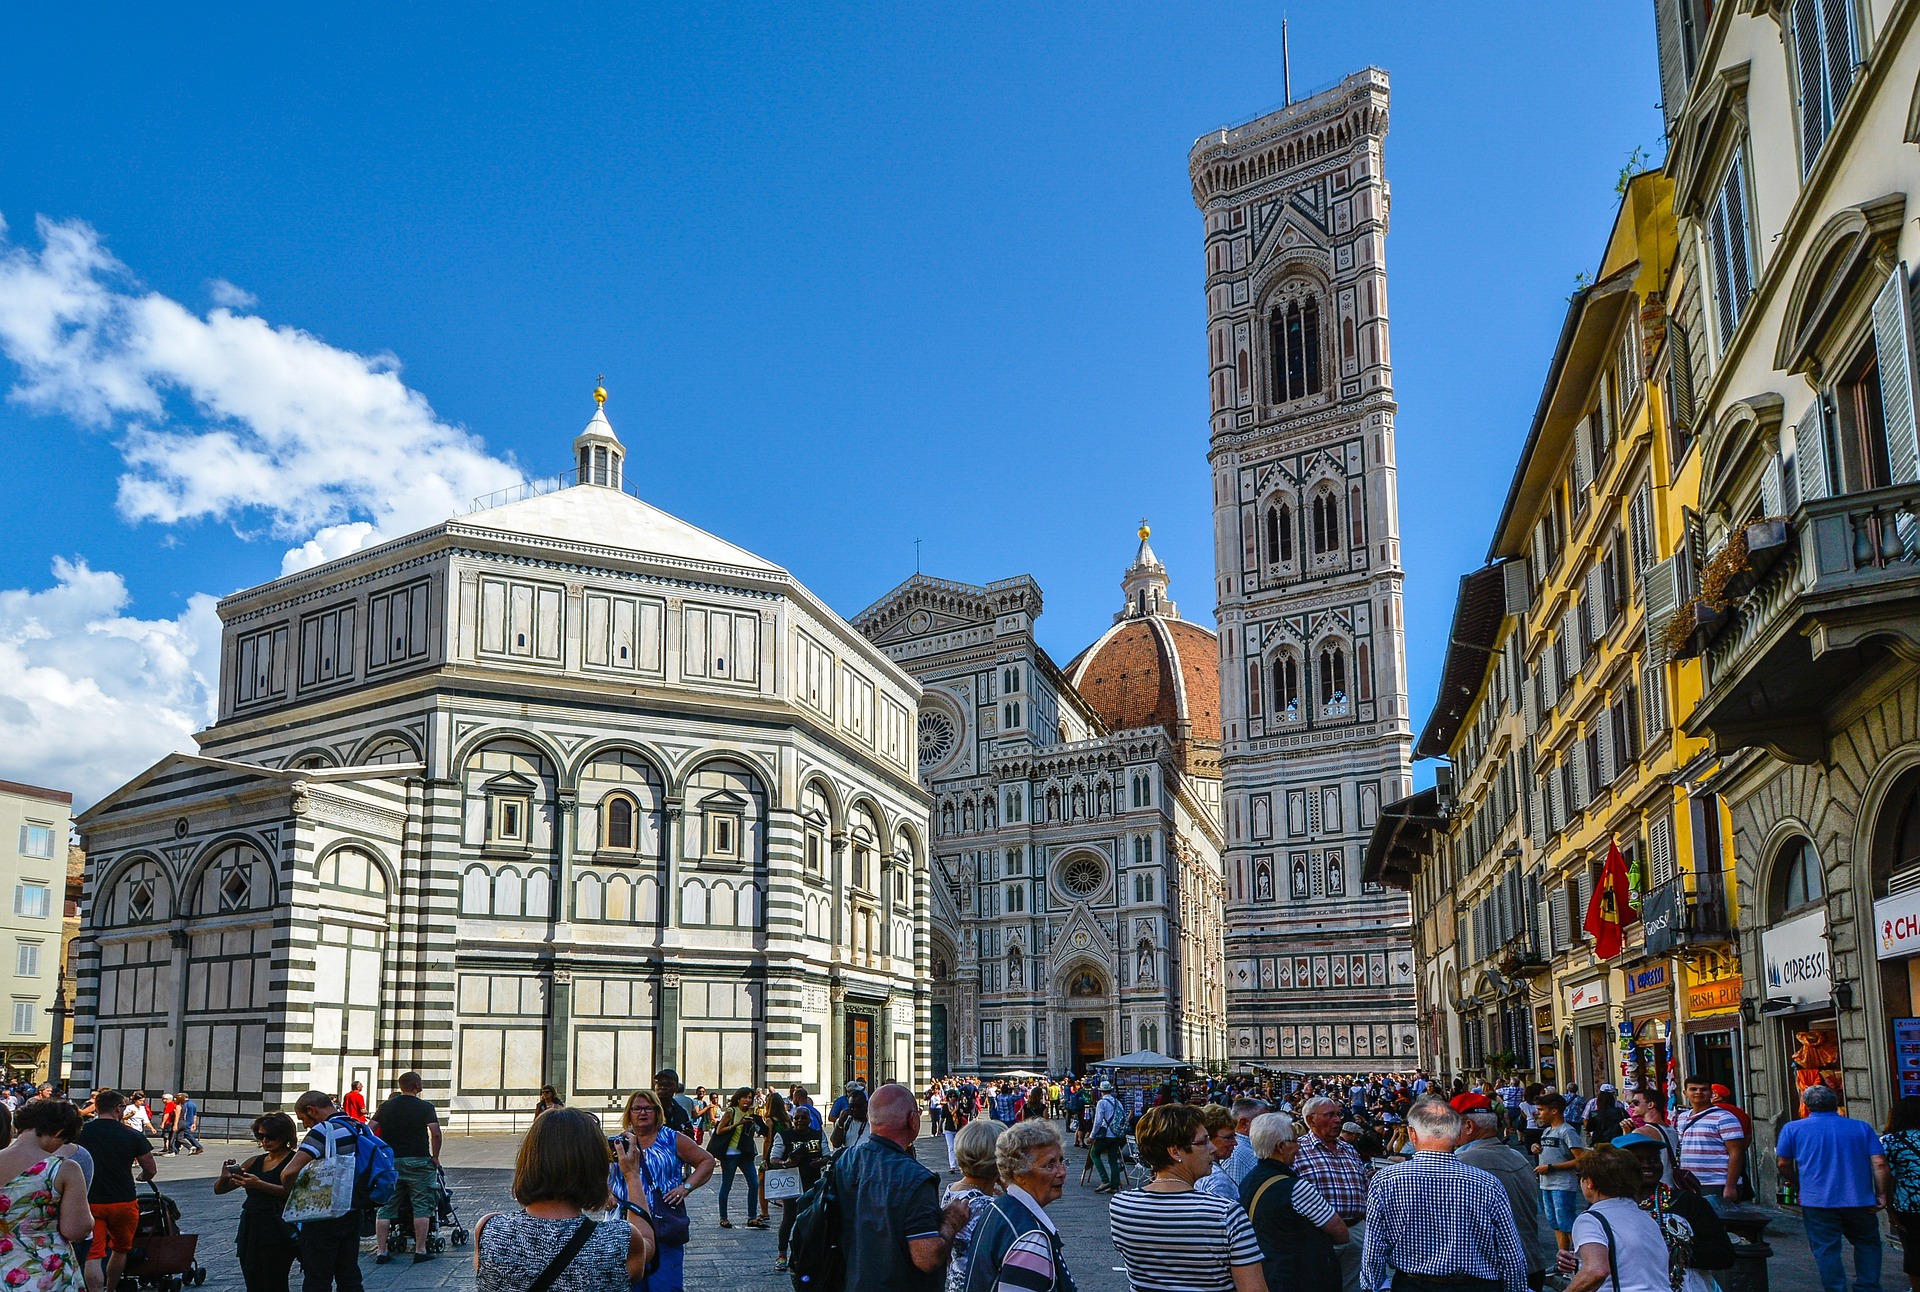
(1721, 996)
(1799, 964)
(1586, 995)
(1660, 913)
(1906, 1055)
(1896, 920)
(1652, 976)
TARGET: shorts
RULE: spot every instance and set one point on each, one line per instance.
(113, 1226)
(1560, 1206)
(421, 1184)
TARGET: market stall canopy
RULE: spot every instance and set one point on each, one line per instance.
(1143, 1059)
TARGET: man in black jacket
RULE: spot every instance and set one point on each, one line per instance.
(1712, 1248)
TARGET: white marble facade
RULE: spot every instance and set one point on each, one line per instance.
(1076, 897)
(559, 792)
(1317, 733)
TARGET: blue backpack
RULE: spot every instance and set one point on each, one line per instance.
(375, 1172)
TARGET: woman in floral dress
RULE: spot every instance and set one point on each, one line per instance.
(43, 1202)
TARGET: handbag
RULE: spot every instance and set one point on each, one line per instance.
(781, 1183)
(324, 1190)
(671, 1228)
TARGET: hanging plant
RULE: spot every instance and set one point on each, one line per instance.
(1727, 564)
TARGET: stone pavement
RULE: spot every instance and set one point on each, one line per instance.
(480, 1172)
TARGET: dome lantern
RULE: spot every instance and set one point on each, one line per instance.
(597, 452)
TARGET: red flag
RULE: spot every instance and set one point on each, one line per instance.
(1611, 909)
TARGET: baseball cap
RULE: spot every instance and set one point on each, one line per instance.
(1609, 1089)
(1634, 1139)
(1472, 1101)
(1106, 1085)
(1351, 1128)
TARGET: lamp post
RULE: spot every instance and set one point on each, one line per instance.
(57, 1050)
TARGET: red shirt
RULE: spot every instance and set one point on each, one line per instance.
(354, 1105)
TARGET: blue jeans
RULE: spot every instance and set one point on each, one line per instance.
(1560, 1206)
(1860, 1226)
(743, 1163)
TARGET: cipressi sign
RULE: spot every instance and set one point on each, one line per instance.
(1799, 965)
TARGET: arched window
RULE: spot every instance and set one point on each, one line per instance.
(1254, 708)
(1799, 879)
(1286, 686)
(1324, 520)
(1273, 534)
(1355, 515)
(617, 811)
(1333, 674)
(1293, 338)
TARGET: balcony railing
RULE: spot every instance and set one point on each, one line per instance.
(1687, 911)
(1522, 958)
(1802, 615)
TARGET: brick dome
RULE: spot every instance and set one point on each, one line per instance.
(1153, 672)
(1153, 668)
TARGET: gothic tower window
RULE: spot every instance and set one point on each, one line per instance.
(1333, 675)
(1286, 685)
(1293, 340)
(1324, 517)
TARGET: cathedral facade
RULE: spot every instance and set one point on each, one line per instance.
(1314, 710)
(1077, 894)
(557, 793)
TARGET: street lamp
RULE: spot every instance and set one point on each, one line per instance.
(57, 1051)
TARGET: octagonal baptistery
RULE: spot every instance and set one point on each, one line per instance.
(560, 792)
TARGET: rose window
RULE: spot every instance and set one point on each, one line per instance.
(936, 738)
(1083, 876)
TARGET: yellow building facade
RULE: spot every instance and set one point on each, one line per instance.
(1557, 720)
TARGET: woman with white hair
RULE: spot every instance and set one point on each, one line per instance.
(974, 1148)
(1015, 1246)
(1296, 1225)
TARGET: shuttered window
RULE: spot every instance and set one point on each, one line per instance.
(1893, 339)
(1640, 528)
(1730, 242)
(1825, 55)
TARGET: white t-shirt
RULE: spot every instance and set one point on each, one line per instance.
(1639, 1252)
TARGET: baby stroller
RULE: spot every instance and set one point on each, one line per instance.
(162, 1257)
(400, 1232)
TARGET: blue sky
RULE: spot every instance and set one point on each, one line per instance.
(855, 274)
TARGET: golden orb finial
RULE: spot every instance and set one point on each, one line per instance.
(1145, 532)
(600, 391)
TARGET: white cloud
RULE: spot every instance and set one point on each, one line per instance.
(227, 417)
(221, 417)
(229, 296)
(89, 695)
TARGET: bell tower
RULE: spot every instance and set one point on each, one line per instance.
(1316, 734)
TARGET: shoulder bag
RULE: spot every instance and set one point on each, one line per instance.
(558, 1265)
(1613, 1252)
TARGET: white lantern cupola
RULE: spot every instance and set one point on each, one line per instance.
(598, 453)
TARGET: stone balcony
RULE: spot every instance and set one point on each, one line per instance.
(1841, 594)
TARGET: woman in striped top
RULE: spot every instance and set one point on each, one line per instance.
(1174, 1238)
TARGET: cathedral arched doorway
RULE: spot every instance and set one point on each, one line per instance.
(1086, 1019)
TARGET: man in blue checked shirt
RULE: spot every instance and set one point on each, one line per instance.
(1435, 1224)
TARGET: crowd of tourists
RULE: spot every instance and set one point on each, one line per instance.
(1302, 1185)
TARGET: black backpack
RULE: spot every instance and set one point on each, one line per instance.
(815, 1260)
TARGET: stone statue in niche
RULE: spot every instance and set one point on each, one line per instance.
(1145, 970)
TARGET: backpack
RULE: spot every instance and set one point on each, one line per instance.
(815, 1260)
(375, 1172)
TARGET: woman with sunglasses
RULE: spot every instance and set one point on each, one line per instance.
(1170, 1234)
(264, 1244)
(674, 1166)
